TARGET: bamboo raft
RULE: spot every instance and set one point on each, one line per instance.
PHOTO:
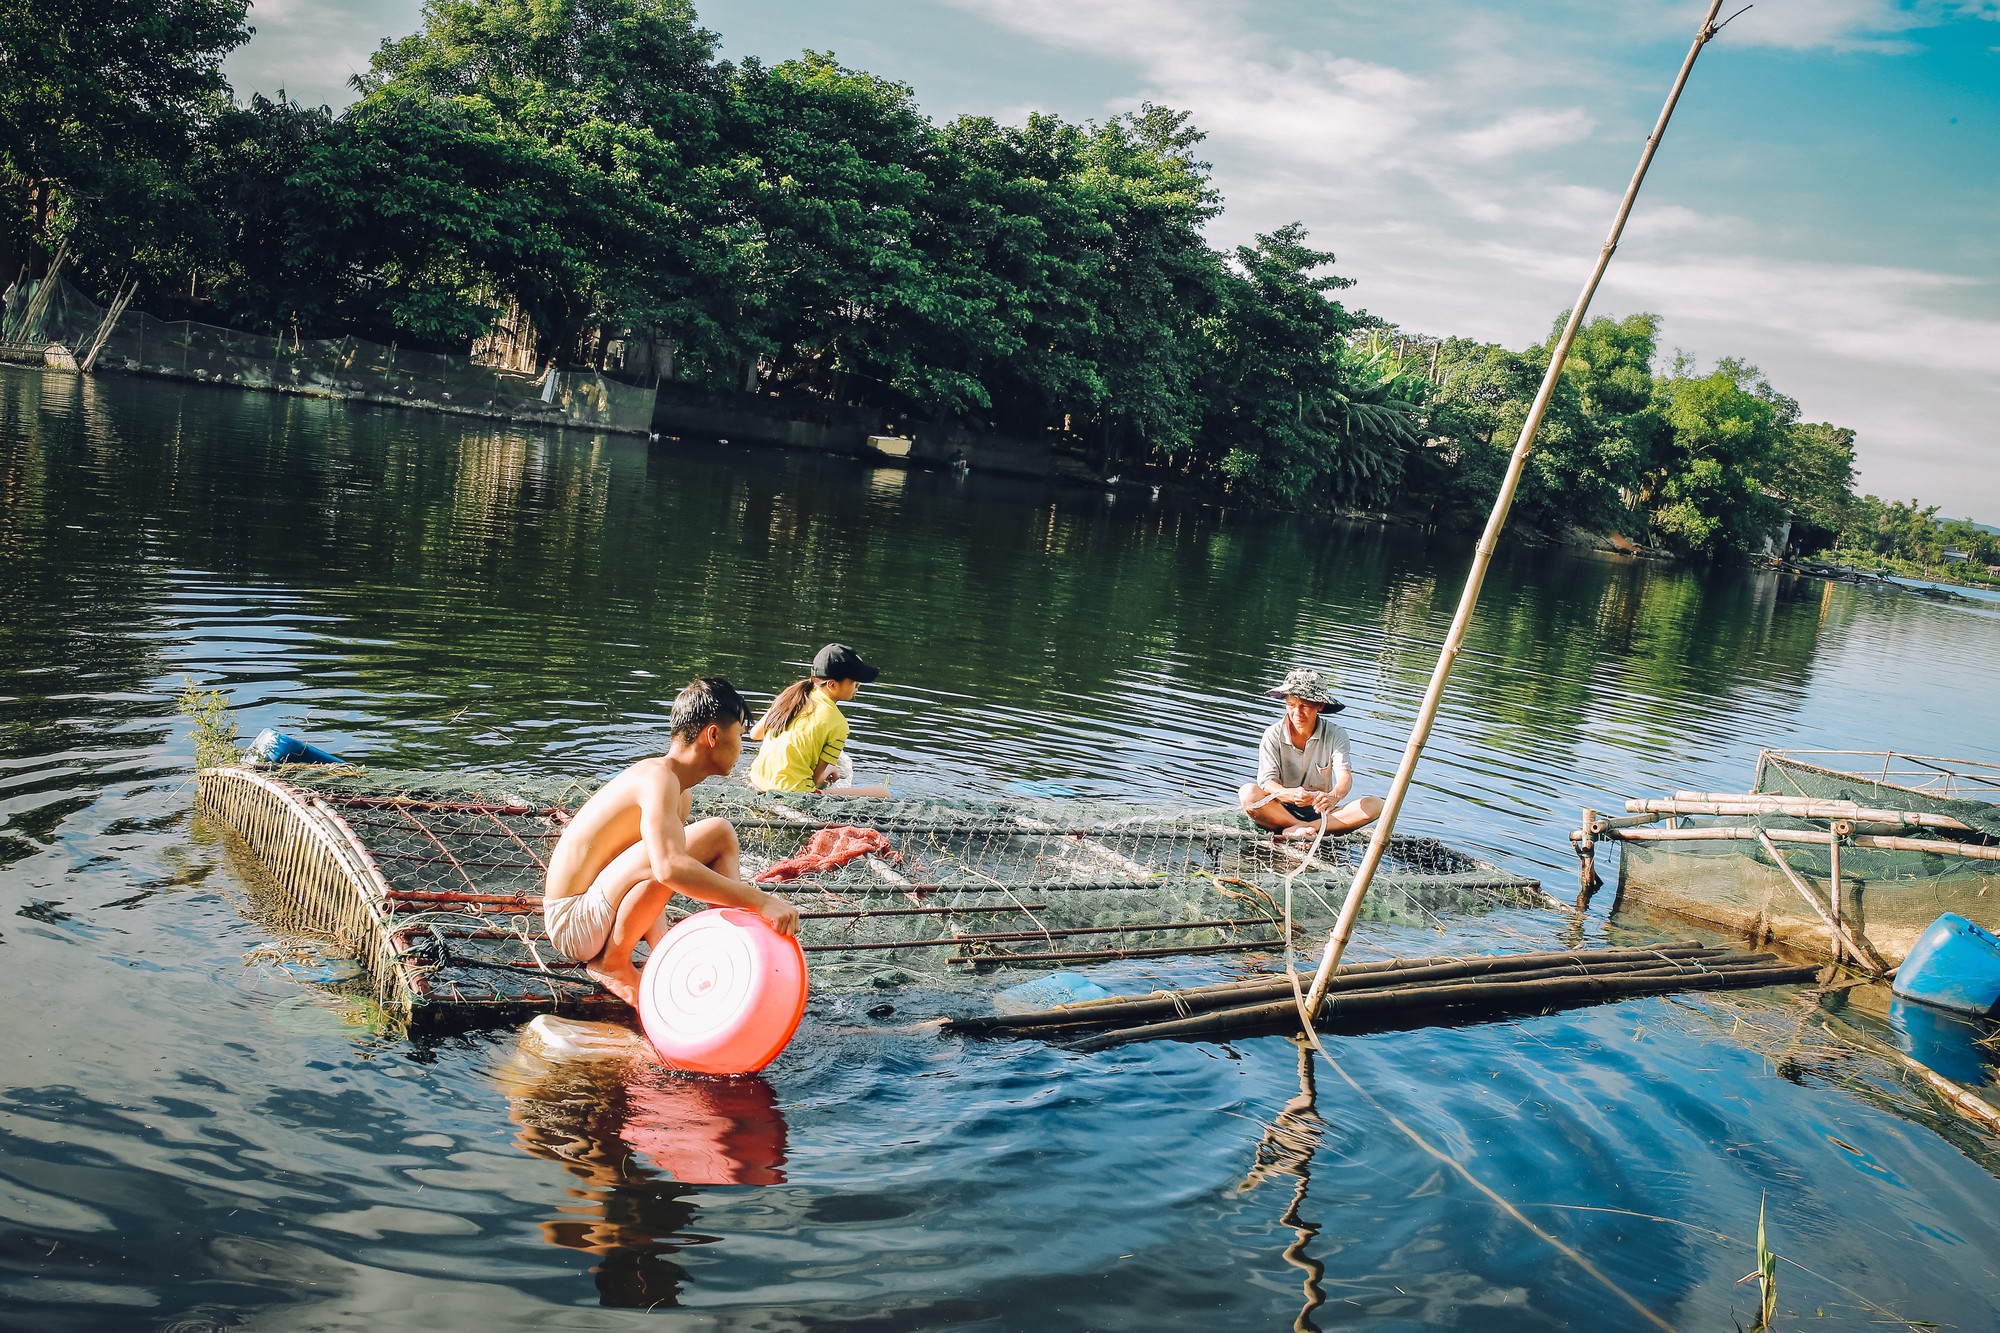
(1396, 993)
(436, 890)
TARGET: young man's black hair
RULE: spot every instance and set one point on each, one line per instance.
(705, 700)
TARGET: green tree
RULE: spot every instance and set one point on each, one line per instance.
(1597, 436)
(104, 104)
(556, 152)
(286, 264)
(1812, 473)
(1475, 392)
(824, 177)
(1709, 490)
(1152, 276)
(1290, 413)
(1600, 430)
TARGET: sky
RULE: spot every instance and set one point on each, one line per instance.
(1826, 204)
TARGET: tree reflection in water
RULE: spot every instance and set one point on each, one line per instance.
(1286, 1149)
(642, 1142)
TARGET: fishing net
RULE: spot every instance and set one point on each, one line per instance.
(1965, 790)
(1890, 895)
(330, 367)
(961, 887)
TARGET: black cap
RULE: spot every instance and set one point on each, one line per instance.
(837, 661)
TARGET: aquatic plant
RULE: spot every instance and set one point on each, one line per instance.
(1767, 1277)
(215, 732)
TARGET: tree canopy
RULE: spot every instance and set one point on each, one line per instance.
(803, 231)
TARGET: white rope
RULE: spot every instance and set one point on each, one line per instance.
(1291, 970)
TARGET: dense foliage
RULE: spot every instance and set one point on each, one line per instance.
(1909, 538)
(802, 230)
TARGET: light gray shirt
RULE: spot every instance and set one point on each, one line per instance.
(1316, 768)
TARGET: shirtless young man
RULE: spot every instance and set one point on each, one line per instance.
(1302, 766)
(630, 847)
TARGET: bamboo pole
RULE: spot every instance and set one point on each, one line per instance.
(1115, 1015)
(1676, 949)
(1785, 805)
(1622, 821)
(39, 302)
(1051, 934)
(1097, 955)
(1862, 950)
(1834, 893)
(1228, 994)
(1750, 833)
(1587, 880)
(1495, 995)
(1392, 805)
(1954, 1094)
(126, 291)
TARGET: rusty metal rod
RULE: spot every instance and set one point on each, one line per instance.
(998, 959)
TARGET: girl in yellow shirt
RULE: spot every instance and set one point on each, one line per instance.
(804, 731)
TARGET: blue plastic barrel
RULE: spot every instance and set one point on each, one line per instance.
(1953, 965)
(275, 747)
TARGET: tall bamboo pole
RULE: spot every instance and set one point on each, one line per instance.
(1336, 942)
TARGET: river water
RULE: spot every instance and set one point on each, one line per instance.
(194, 1139)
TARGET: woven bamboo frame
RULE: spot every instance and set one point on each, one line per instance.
(327, 883)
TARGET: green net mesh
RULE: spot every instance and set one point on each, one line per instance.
(1889, 894)
(1966, 790)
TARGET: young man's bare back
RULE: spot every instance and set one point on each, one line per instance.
(630, 848)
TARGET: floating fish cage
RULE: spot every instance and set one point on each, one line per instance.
(435, 886)
(1849, 855)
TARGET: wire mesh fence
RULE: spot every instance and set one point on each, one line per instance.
(453, 872)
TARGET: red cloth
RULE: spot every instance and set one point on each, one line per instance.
(829, 849)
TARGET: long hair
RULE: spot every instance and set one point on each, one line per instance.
(785, 709)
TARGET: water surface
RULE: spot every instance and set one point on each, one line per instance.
(194, 1139)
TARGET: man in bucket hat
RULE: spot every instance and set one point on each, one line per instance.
(1302, 765)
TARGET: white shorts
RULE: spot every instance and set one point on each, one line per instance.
(580, 925)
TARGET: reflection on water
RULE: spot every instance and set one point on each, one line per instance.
(183, 1141)
(1286, 1149)
(637, 1137)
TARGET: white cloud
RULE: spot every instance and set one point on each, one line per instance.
(1522, 131)
(1452, 192)
(1849, 25)
(310, 48)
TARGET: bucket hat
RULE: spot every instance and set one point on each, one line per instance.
(1309, 685)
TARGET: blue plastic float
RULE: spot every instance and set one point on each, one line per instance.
(1047, 992)
(1953, 965)
(275, 747)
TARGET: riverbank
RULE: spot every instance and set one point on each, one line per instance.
(72, 331)
(1955, 576)
(817, 426)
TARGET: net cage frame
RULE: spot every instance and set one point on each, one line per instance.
(434, 885)
(1932, 776)
(1849, 863)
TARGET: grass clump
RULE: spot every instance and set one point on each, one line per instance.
(215, 731)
